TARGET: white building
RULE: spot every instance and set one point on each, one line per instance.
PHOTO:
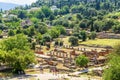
(54, 8)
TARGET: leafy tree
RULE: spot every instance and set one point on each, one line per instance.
(61, 43)
(33, 45)
(19, 30)
(56, 12)
(65, 23)
(79, 16)
(31, 31)
(77, 34)
(46, 10)
(34, 20)
(17, 53)
(38, 37)
(97, 5)
(83, 35)
(0, 18)
(91, 12)
(22, 14)
(76, 29)
(51, 17)
(40, 15)
(108, 25)
(47, 38)
(92, 35)
(54, 33)
(61, 29)
(116, 49)
(74, 9)
(72, 25)
(73, 40)
(64, 10)
(0, 32)
(84, 24)
(2, 26)
(41, 27)
(116, 28)
(97, 26)
(113, 72)
(57, 22)
(56, 42)
(11, 33)
(82, 61)
(25, 31)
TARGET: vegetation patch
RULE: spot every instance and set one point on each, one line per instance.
(102, 42)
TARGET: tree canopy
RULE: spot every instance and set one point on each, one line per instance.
(113, 72)
(82, 61)
(16, 53)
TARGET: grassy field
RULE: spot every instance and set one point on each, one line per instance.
(103, 42)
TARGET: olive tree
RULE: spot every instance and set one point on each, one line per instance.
(82, 61)
(73, 40)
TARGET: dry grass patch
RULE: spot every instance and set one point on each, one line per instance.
(102, 42)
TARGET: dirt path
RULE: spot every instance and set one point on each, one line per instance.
(50, 76)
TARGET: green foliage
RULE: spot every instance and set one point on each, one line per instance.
(76, 34)
(38, 37)
(64, 10)
(0, 18)
(46, 38)
(62, 22)
(11, 33)
(97, 26)
(82, 61)
(84, 24)
(58, 42)
(33, 45)
(18, 31)
(117, 49)
(61, 29)
(16, 53)
(108, 24)
(51, 17)
(35, 20)
(65, 23)
(2, 26)
(57, 22)
(92, 35)
(40, 15)
(54, 32)
(31, 31)
(46, 10)
(61, 43)
(73, 40)
(79, 16)
(77, 9)
(116, 28)
(18, 42)
(22, 14)
(41, 27)
(0, 32)
(91, 12)
(83, 35)
(76, 29)
(25, 31)
(113, 72)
